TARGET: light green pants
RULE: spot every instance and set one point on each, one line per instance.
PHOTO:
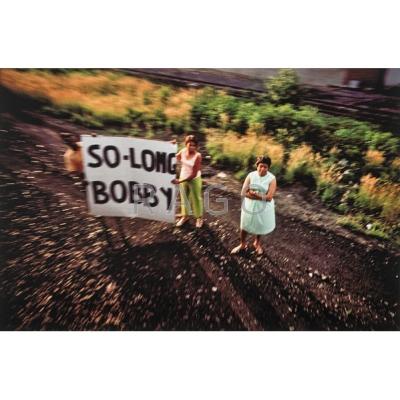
(191, 197)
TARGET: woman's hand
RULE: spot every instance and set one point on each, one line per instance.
(251, 194)
(175, 181)
(173, 141)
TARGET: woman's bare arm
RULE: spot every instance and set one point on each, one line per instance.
(245, 187)
(271, 190)
(267, 197)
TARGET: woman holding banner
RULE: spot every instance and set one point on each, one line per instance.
(190, 182)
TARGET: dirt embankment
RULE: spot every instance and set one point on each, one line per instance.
(63, 269)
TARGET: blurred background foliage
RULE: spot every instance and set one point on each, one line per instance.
(352, 165)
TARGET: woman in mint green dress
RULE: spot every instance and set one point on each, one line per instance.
(258, 207)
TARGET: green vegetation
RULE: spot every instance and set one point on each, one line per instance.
(283, 88)
(361, 223)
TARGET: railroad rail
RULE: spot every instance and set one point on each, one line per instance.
(333, 100)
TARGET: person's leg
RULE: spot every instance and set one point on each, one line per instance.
(242, 245)
(185, 203)
(257, 245)
(243, 235)
(196, 198)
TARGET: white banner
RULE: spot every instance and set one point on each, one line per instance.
(130, 177)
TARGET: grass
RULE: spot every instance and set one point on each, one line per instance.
(381, 197)
(101, 92)
(362, 223)
(240, 152)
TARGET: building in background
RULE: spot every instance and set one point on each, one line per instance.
(363, 78)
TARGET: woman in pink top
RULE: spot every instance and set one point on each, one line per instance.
(190, 182)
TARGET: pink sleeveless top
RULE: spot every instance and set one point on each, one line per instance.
(187, 165)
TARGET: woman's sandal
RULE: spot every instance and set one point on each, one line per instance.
(259, 251)
(199, 222)
(182, 221)
(238, 249)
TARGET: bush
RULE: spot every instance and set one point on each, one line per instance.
(379, 198)
(158, 120)
(300, 165)
(352, 145)
(291, 127)
(79, 114)
(178, 126)
(165, 93)
(332, 194)
(147, 100)
(135, 116)
(242, 118)
(113, 119)
(283, 88)
(274, 117)
(302, 173)
(203, 112)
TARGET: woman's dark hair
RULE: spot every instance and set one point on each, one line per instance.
(191, 138)
(263, 160)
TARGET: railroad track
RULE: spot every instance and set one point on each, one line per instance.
(192, 82)
(336, 101)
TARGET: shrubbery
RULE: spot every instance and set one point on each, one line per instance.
(293, 126)
(283, 88)
(165, 94)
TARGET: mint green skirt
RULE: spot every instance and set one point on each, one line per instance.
(257, 217)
